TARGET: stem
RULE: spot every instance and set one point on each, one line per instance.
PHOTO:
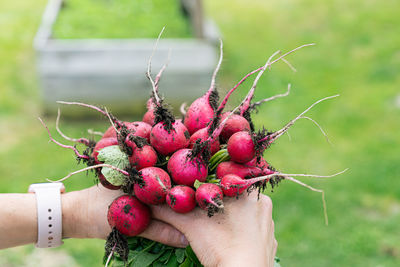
(111, 254)
(252, 106)
(158, 77)
(225, 100)
(62, 145)
(112, 122)
(271, 138)
(291, 51)
(119, 124)
(90, 168)
(246, 102)
(214, 76)
(91, 131)
(80, 140)
(148, 73)
(182, 109)
(223, 103)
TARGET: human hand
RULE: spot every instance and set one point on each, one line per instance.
(243, 235)
(85, 216)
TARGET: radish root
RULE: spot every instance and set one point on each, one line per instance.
(80, 140)
(88, 169)
(320, 128)
(62, 145)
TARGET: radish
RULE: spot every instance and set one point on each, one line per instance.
(233, 185)
(241, 147)
(209, 197)
(156, 184)
(235, 123)
(168, 139)
(128, 215)
(203, 135)
(241, 170)
(185, 168)
(181, 199)
(143, 157)
(202, 110)
(138, 128)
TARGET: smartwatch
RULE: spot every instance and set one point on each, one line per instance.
(49, 214)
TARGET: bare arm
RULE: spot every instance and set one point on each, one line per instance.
(84, 215)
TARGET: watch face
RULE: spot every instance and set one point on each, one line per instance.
(33, 187)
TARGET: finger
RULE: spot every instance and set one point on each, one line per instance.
(165, 214)
(275, 247)
(165, 233)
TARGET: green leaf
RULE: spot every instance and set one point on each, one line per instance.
(172, 261)
(187, 263)
(197, 184)
(190, 254)
(180, 255)
(114, 156)
(145, 259)
(165, 257)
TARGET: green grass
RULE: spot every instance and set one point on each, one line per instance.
(357, 55)
(121, 19)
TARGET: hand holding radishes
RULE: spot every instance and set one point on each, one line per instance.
(243, 235)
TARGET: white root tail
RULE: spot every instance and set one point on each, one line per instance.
(87, 169)
(148, 73)
(277, 134)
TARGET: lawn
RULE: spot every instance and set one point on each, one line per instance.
(357, 55)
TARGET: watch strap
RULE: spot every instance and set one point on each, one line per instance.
(49, 214)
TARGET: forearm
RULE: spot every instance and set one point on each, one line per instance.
(18, 220)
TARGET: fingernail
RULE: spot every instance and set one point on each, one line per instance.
(184, 241)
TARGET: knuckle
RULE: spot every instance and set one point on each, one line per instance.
(266, 203)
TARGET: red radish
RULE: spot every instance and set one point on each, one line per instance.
(105, 142)
(167, 141)
(138, 128)
(241, 170)
(235, 123)
(203, 135)
(241, 147)
(181, 199)
(128, 215)
(209, 197)
(149, 117)
(233, 185)
(156, 185)
(202, 110)
(186, 168)
(143, 157)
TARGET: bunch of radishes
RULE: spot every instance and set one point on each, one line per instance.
(189, 162)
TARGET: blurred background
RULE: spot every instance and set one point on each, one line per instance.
(357, 55)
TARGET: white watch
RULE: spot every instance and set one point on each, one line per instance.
(49, 214)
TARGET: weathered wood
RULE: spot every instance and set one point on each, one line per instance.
(112, 72)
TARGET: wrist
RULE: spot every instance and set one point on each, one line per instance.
(72, 216)
(243, 257)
